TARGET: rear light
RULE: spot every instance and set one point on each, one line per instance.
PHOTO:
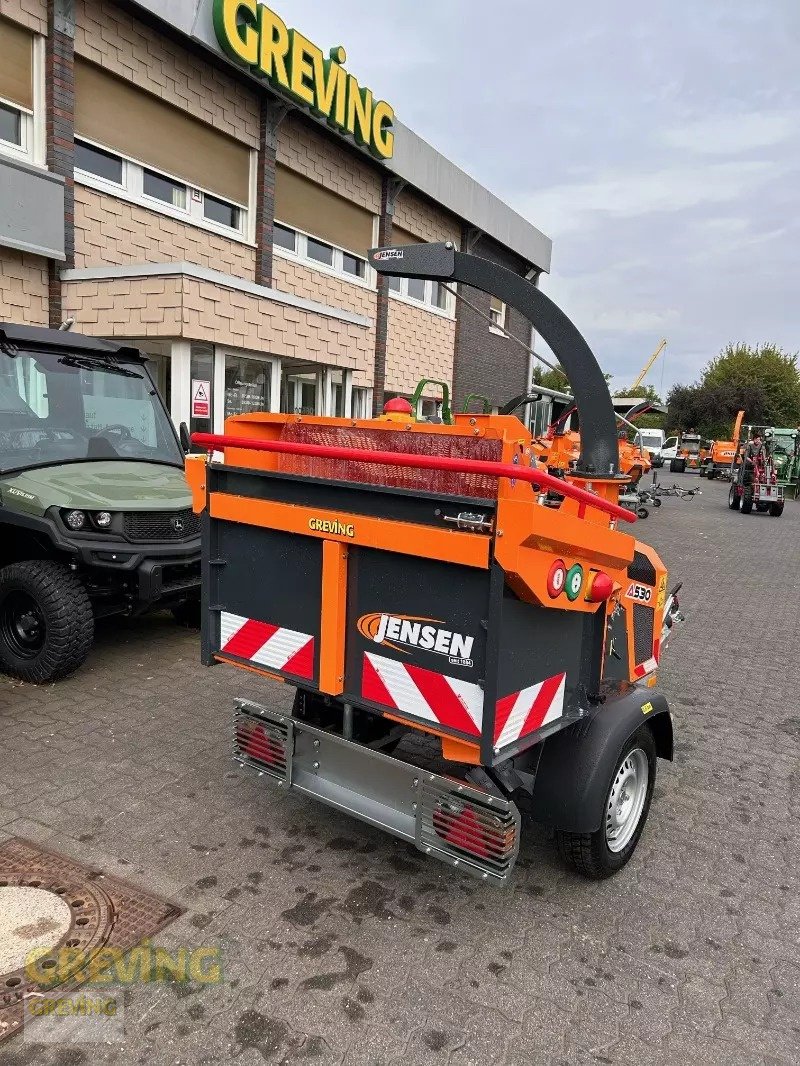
(476, 832)
(260, 743)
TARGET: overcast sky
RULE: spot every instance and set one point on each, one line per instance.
(656, 143)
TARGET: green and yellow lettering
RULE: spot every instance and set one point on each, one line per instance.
(359, 111)
(325, 82)
(238, 39)
(382, 142)
(274, 47)
(301, 67)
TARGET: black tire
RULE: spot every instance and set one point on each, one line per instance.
(762, 508)
(656, 461)
(733, 499)
(187, 614)
(677, 466)
(776, 509)
(656, 502)
(711, 473)
(46, 621)
(589, 853)
(642, 512)
(747, 502)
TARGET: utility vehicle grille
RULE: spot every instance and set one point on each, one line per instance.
(161, 525)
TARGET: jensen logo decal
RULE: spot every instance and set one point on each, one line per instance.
(332, 525)
(414, 631)
(388, 253)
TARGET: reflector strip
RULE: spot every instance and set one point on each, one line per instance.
(423, 693)
(267, 645)
(523, 712)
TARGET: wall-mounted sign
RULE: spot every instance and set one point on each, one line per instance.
(255, 37)
(201, 398)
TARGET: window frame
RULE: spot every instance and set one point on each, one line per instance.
(132, 191)
(499, 327)
(426, 304)
(336, 269)
(33, 147)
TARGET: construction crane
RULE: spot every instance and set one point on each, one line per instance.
(662, 345)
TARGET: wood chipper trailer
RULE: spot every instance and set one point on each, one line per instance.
(408, 578)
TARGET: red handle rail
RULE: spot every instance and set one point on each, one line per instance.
(420, 462)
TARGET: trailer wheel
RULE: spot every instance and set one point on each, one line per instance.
(656, 502)
(46, 621)
(762, 508)
(747, 502)
(602, 853)
(711, 473)
(776, 509)
(642, 512)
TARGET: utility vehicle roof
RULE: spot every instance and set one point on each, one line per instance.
(63, 340)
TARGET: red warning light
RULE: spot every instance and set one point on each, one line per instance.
(398, 406)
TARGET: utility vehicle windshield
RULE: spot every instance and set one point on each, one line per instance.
(58, 407)
(651, 441)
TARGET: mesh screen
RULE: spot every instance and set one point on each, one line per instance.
(391, 440)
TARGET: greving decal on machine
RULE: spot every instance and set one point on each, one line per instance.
(414, 631)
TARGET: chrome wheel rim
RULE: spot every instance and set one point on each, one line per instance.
(626, 799)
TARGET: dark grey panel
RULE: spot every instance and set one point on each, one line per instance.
(457, 597)
(268, 575)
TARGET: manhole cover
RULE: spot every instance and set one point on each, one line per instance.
(31, 919)
(62, 914)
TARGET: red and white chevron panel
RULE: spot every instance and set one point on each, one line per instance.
(264, 644)
(437, 698)
(523, 712)
(643, 669)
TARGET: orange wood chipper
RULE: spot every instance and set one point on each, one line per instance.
(411, 582)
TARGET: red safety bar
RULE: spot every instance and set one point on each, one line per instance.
(421, 462)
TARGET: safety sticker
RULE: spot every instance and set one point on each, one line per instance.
(643, 593)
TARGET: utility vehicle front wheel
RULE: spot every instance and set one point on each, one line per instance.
(733, 499)
(776, 509)
(747, 502)
(46, 621)
(602, 853)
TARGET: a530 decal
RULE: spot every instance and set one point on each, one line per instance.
(642, 593)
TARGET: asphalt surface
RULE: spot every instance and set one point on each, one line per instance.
(343, 945)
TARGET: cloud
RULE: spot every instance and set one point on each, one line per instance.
(733, 134)
(632, 193)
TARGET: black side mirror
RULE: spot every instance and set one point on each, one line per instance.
(183, 433)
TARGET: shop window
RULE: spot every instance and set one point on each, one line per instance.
(362, 402)
(201, 412)
(146, 151)
(337, 402)
(497, 314)
(351, 264)
(247, 385)
(21, 93)
(318, 252)
(416, 289)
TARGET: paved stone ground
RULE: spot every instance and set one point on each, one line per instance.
(342, 945)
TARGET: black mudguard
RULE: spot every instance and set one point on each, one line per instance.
(576, 764)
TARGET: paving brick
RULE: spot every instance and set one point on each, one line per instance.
(342, 945)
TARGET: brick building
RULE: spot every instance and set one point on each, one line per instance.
(162, 182)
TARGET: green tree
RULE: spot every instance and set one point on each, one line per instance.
(763, 381)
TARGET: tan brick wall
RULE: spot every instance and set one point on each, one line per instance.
(112, 232)
(426, 221)
(419, 345)
(324, 160)
(199, 310)
(23, 288)
(121, 44)
(30, 13)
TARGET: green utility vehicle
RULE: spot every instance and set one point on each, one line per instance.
(786, 456)
(95, 513)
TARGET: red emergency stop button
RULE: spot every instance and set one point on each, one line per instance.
(600, 588)
(398, 406)
(556, 578)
